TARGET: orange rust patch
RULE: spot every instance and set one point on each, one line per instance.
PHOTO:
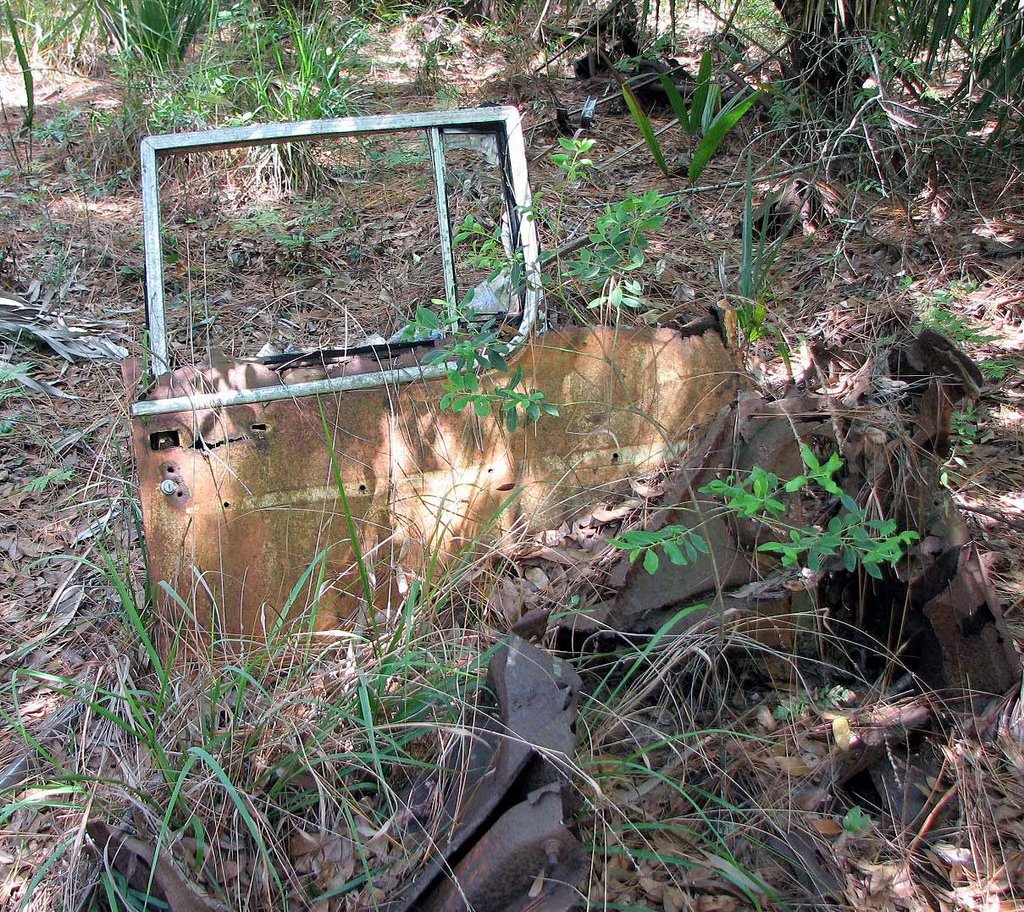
(240, 503)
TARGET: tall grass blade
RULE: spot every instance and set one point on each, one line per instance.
(701, 94)
(240, 806)
(727, 118)
(646, 130)
(26, 70)
(158, 32)
(350, 523)
(316, 565)
(676, 100)
(747, 263)
(131, 610)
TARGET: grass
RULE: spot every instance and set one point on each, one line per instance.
(157, 32)
(238, 758)
(230, 760)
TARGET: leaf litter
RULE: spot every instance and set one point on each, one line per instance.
(891, 799)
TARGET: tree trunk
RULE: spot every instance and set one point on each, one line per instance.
(823, 46)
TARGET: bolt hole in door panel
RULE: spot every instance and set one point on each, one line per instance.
(291, 488)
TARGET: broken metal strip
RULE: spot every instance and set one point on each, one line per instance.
(506, 118)
(156, 321)
(444, 225)
(268, 134)
(150, 407)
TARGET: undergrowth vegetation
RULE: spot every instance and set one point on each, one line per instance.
(281, 775)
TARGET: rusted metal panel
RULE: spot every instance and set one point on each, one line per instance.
(240, 502)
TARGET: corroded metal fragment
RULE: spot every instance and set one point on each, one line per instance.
(250, 510)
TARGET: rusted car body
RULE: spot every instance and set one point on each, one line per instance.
(313, 491)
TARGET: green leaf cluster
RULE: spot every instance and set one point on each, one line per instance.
(850, 534)
(574, 161)
(12, 377)
(619, 240)
(682, 546)
(469, 352)
(704, 117)
(486, 248)
(618, 249)
(871, 543)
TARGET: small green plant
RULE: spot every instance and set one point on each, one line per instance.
(938, 317)
(157, 32)
(857, 820)
(965, 425)
(835, 695)
(486, 250)
(574, 161)
(13, 379)
(300, 68)
(791, 709)
(704, 117)
(681, 545)
(997, 368)
(851, 534)
(52, 479)
(757, 494)
(869, 542)
(759, 255)
(472, 349)
(618, 250)
(65, 128)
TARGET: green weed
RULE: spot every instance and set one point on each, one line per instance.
(12, 388)
(27, 79)
(617, 252)
(705, 117)
(857, 820)
(157, 32)
(939, 317)
(997, 368)
(54, 478)
(574, 161)
(965, 425)
(850, 535)
(298, 68)
(236, 748)
(471, 350)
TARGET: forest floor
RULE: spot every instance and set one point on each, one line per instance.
(71, 241)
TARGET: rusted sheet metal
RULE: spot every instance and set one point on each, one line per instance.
(498, 840)
(243, 509)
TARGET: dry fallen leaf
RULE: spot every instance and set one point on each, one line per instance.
(654, 889)
(134, 859)
(842, 732)
(537, 886)
(765, 718)
(506, 599)
(826, 826)
(791, 766)
(604, 516)
(675, 900)
(716, 904)
(538, 577)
